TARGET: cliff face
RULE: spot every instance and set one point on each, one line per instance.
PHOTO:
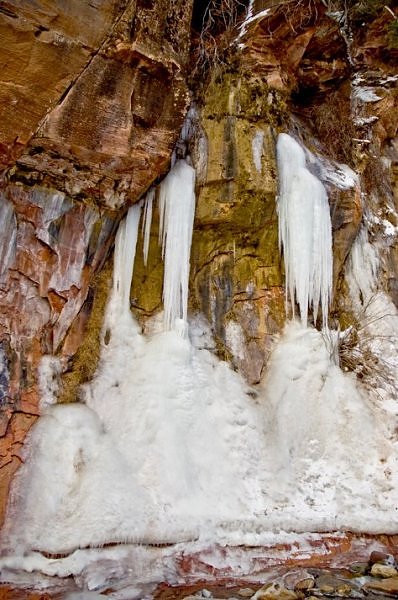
(92, 101)
(92, 98)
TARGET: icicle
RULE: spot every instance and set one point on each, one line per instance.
(362, 268)
(125, 246)
(147, 221)
(305, 232)
(177, 209)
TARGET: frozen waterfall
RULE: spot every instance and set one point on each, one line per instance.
(168, 445)
(177, 210)
(305, 232)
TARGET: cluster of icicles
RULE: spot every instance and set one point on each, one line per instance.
(177, 210)
(305, 232)
(305, 236)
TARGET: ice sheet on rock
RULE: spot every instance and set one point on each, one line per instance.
(362, 268)
(8, 224)
(257, 149)
(377, 319)
(365, 94)
(336, 174)
(304, 231)
(147, 221)
(177, 210)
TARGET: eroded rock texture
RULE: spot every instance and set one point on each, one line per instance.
(92, 97)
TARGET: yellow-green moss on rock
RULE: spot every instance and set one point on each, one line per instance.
(236, 272)
(85, 361)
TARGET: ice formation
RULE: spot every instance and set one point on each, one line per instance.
(125, 247)
(132, 463)
(305, 232)
(362, 268)
(177, 209)
(257, 149)
(147, 222)
(170, 445)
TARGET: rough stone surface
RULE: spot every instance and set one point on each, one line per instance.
(236, 266)
(385, 571)
(384, 586)
(122, 113)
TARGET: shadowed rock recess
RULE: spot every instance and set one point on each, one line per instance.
(93, 96)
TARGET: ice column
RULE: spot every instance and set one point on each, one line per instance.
(305, 231)
(177, 209)
(125, 246)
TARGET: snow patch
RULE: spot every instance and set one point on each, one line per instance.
(365, 94)
(50, 369)
(235, 339)
(360, 121)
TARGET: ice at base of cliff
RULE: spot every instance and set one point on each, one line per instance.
(171, 448)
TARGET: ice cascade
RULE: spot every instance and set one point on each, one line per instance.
(177, 210)
(125, 247)
(305, 231)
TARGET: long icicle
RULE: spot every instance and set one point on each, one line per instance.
(125, 247)
(177, 209)
(305, 232)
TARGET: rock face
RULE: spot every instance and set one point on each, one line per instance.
(236, 266)
(116, 112)
(91, 101)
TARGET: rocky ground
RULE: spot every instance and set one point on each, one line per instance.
(373, 579)
(376, 577)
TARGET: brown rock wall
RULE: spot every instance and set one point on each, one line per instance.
(42, 51)
(113, 130)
